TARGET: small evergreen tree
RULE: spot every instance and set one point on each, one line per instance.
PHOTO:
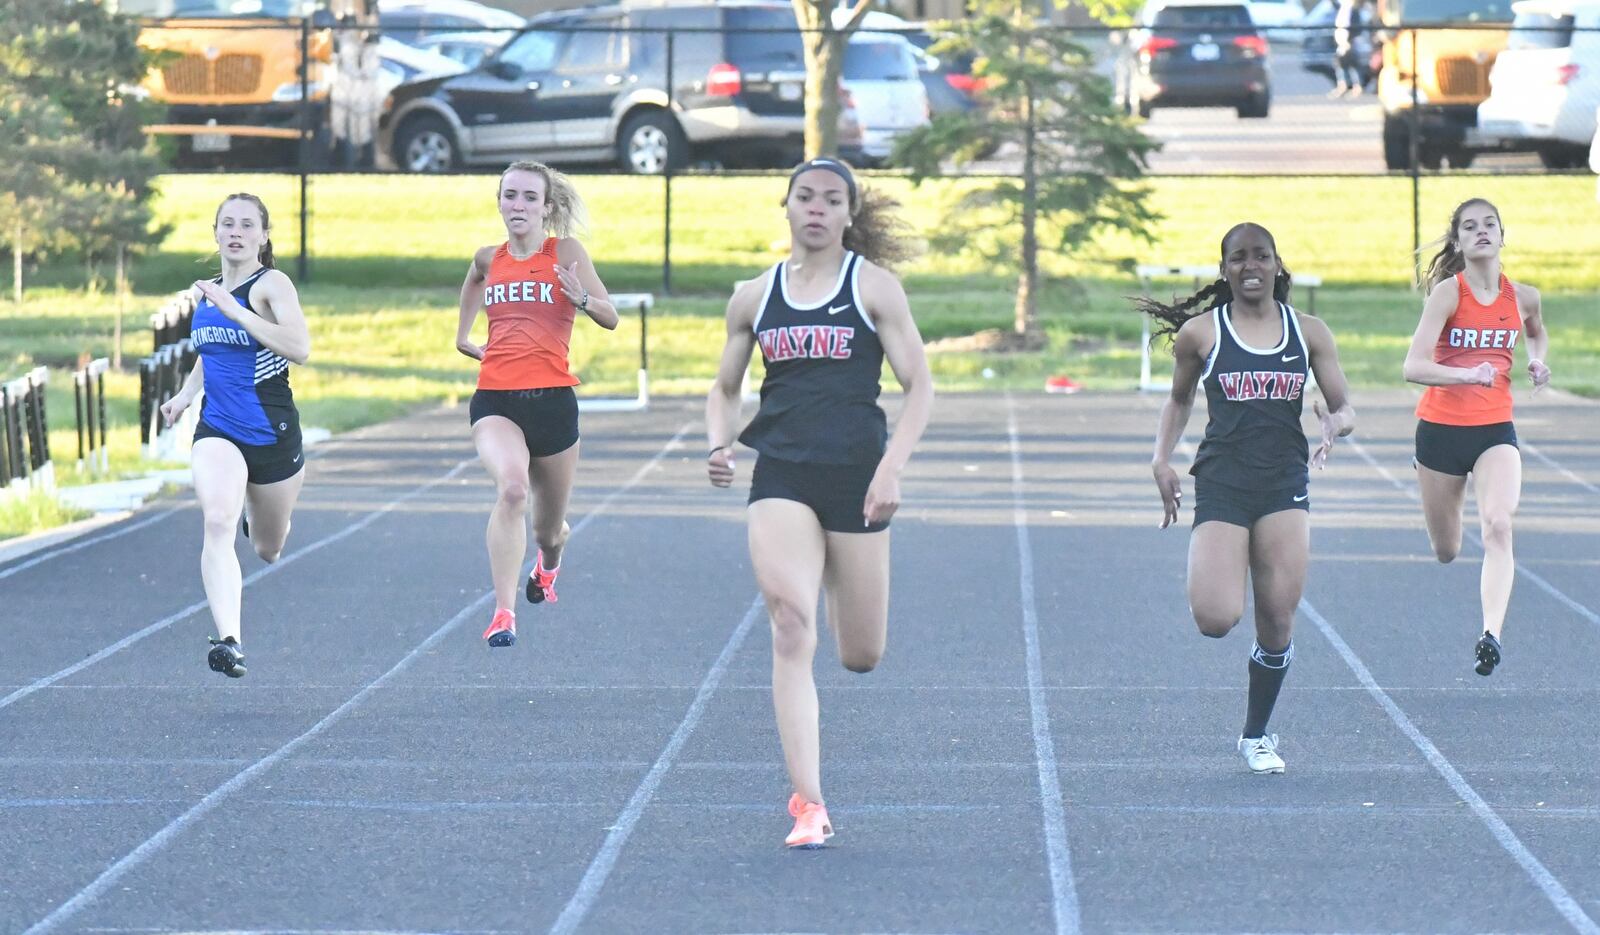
(75, 168)
(1082, 158)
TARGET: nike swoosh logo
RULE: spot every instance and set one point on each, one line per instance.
(836, 309)
(1504, 317)
(1287, 357)
(1301, 498)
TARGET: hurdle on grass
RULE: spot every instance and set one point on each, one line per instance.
(1198, 274)
(89, 398)
(161, 375)
(24, 425)
(170, 324)
(643, 301)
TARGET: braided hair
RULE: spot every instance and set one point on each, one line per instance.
(1449, 260)
(1170, 317)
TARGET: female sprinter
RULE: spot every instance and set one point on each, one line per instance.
(1252, 352)
(247, 328)
(525, 413)
(1473, 319)
(827, 479)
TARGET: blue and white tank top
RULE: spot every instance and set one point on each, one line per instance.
(247, 395)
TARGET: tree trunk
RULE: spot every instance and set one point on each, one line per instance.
(1028, 279)
(16, 262)
(122, 301)
(824, 52)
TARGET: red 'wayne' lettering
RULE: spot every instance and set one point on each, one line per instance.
(1261, 384)
(817, 342)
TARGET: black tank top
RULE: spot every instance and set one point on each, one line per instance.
(819, 400)
(1253, 436)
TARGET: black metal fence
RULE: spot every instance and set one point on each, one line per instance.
(1409, 105)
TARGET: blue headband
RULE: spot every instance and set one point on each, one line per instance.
(827, 165)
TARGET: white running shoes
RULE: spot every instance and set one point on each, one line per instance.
(1261, 754)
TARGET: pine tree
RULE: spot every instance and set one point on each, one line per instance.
(75, 168)
(1082, 158)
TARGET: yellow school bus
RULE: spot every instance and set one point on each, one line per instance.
(229, 74)
(1452, 76)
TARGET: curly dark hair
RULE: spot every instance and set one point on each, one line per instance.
(1169, 317)
(877, 231)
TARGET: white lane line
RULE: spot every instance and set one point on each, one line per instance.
(1522, 569)
(605, 860)
(198, 606)
(1063, 892)
(1558, 468)
(85, 543)
(1508, 840)
(160, 839)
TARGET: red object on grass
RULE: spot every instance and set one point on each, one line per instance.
(1060, 384)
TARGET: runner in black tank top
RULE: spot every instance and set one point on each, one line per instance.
(246, 454)
(1253, 438)
(828, 476)
(1251, 517)
(819, 400)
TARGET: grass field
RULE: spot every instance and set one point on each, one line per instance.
(388, 254)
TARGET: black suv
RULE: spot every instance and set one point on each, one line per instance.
(1193, 53)
(589, 85)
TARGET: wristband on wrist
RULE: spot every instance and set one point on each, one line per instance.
(713, 451)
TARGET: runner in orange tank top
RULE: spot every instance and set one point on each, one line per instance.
(1462, 352)
(525, 413)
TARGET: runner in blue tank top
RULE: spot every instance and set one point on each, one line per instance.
(828, 476)
(248, 328)
(1253, 354)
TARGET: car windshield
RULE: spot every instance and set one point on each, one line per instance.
(1455, 11)
(878, 61)
(1540, 31)
(220, 9)
(1188, 18)
(764, 34)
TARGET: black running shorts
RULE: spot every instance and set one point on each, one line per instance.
(1454, 449)
(548, 417)
(837, 493)
(266, 464)
(1223, 503)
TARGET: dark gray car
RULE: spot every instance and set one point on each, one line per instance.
(590, 86)
(1190, 53)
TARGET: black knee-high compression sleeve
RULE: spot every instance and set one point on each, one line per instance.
(1267, 670)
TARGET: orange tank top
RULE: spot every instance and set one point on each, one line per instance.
(530, 323)
(1474, 334)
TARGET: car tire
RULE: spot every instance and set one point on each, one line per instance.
(426, 143)
(1396, 144)
(1563, 158)
(651, 141)
(1256, 107)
